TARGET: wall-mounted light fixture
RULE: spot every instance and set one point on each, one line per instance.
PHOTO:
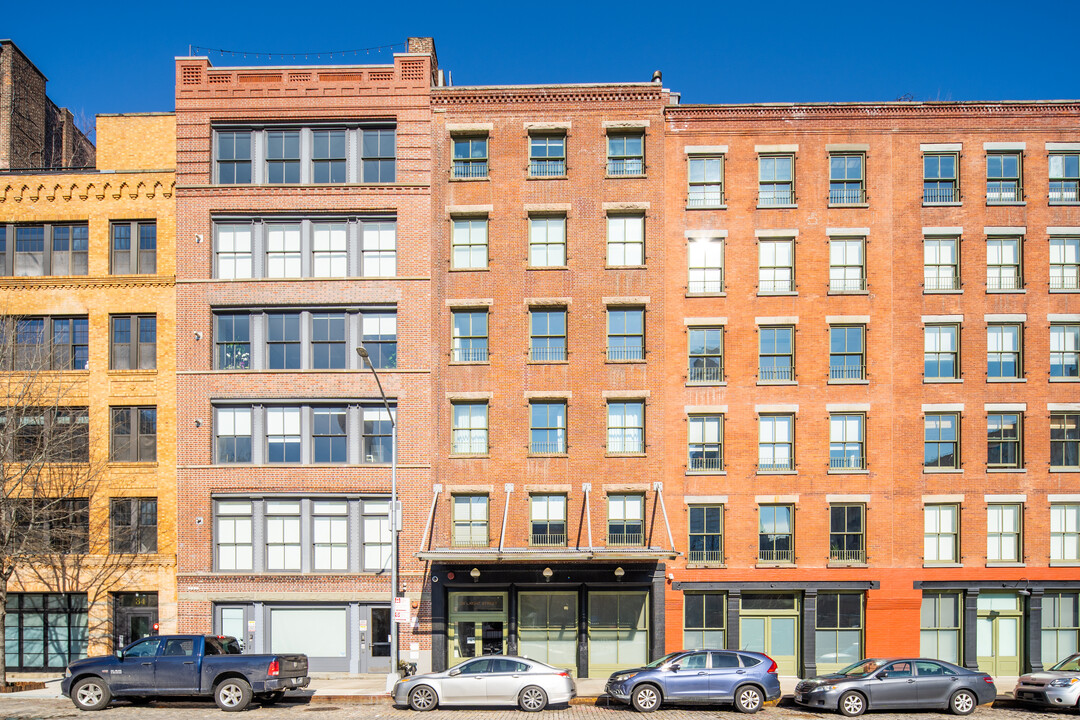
(619, 572)
(475, 574)
(548, 572)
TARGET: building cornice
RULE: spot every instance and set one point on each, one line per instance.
(521, 94)
(98, 188)
(885, 110)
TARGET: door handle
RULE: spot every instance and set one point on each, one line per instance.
(189, 662)
(147, 664)
(701, 673)
(740, 672)
(911, 680)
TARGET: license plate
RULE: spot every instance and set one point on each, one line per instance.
(798, 698)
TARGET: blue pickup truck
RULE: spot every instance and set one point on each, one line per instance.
(184, 665)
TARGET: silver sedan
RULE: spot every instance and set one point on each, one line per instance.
(1058, 686)
(489, 680)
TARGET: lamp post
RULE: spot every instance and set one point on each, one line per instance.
(391, 676)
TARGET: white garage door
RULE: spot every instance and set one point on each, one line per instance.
(321, 632)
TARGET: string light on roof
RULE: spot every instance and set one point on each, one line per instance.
(222, 52)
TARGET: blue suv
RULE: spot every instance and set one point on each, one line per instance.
(746, 679)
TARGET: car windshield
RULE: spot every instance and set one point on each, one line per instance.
(1071, 664)
(664, 660)
(861, 668)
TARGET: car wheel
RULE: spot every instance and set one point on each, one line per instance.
(91, 693)
(233, 694)
(646, 698)
(963, 702)
(423, 698)
(532, 699)
(748, 699)
(852, 704)
(270, 698)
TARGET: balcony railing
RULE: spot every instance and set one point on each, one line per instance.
(939, 282)
(626, 352)
(1064, 277)
(625, 166)
(935, 195)
(547, 354)
(1004, 282)
(776, 556)
(467, 540)
(847, 196)
(476, 354)
(466, 443)
(702, 287)
(776, 286)
(775, 465)
(705, 374)
(470, 169)
(548, 540)
(547, 168)
(1067, 191)
(625, 539)
(547, 447)
(1003, 192)
(703, 196)
(847, 556)
(848, 462)
(768, 197)
(704, 464)
(769, 374)
(706, 556)
(625, 447)
(847, 285)
(847, 372)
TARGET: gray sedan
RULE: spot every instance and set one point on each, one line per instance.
(1058, 686)
(489, 680)
(898, 684)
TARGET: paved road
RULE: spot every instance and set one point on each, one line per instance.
(187, 710)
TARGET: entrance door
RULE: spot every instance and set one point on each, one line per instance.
(547, 628)
(477, 625)
(769, 623)
(999, 623)
(135, 616)
(618, 631)
(375, 634)
(236, 621)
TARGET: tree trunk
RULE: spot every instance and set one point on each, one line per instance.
(3, 631)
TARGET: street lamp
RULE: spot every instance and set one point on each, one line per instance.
(392, 676)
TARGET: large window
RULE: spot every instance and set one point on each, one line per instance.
(1065, 532)
(776, 356)
(283, 341)
(847, 181)
(134, 248)
(470, 336)
(133, 524)
(233, 530)
(233, 430)
(847, 442)
(1064, 441)
(46, 343)
(941, 352)
(295, 155)
(626, 517)
(705, 266)
(45, 632)
(283, 546)
(547, 241)
(1064, 178)
(847, 352)
(233, 157)
(706, 534)
(705, 349)
(847, 533)
(378, 152)
(470, 521)
(941, 264)
(941, 182)
(547, 427)
(46, 249)
(470, 157)
(328, 341)
(838, 636)
(1060, 626)
(283, 157)
(776, 266)
(1064, 351)
(939, 633)
(625, 427)
(847, 265)
(626, 154)
(1003, 343)
(328, 156)
(776, 534)
(941, 534)
(1003, 269)
(706, 181)
(776, 180)
(941, 447)
(704, 620)
(134, 434)
(547, 155)
(1003, 524)
(1003, 440)
(330, 534)
(1003, 183)
(706, 443)
(469, 242)
(470, 428)
(1064, 263)
(49, 434)
(547, 516)
(547, 334)
(776, 443)
(626, 334)
(134, 342)
(329, 435)
(625, 240)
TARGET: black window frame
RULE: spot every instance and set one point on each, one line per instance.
(142, 445)
(130, 528)
(138, 344)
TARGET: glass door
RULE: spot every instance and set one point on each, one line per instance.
(477, 625)
(375, 634)
(998, 634)
(769, 623)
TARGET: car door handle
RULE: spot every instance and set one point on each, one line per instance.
(740, 672)
(147, 664)
(701, 673)
(189, 662)
(911, 680)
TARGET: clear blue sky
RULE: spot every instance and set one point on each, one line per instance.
(119, 57)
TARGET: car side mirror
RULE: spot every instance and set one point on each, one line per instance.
(455, 671)
(120, 654)
(674, 667)
(882, 676)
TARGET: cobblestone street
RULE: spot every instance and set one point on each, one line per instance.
(187, 710)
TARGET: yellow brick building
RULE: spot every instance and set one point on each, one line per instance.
(87, 266)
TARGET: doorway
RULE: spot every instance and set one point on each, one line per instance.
(375, 634)
(769, 623)
(998, 633)
(478, 622)
(135, 616)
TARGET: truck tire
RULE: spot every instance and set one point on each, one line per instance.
(232, 694)
(91, 693)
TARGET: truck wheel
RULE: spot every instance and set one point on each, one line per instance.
(269, 698)
(91, 693)
(232, 694)
(423, 698)
(645, 698)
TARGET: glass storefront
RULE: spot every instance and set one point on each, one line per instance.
(45, 631)
(547, 627)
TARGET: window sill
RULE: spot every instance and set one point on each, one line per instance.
(848, 472)
(626, 267)
(468, 456)
(1063, 379)
(547, 177)
(547, 362)
(1063, 291)
(942, 471)
(777, 382)
(1006, 380)
(470, 179)
(849, 205)
(609, 361)
(849, 382)
(706, 207)
(706, 566)
(469, 362)
(1065, 563)
(548, 455)
(718, 383)
(942, 204)
(123, 373)
(848, 292)
(704, 473)
(777, 207)
(942, 292)
(1006, 470)
(1021, 291)
(996, 564)
(942, 381)
(780, 293)
(1065, 469)
(1011, 203)
(943, 565)
(1061, 203)
(547, 267)
(624, 455)
(132, 464)
(776, 565)
(622, 177)
(476, 269)
(776, 472)
(722, 293)
(838, 564)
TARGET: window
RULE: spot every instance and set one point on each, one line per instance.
(44, 343)
(233, 340)
(283, 434)
(129, 258)
(380, 338)
(470, 338)
(329, 435)
(776, 180)
(328, 250)
(30, 250)
(776, 266)
(1064, 263)
(378, 251)
(1003, 448)
(1064, 441)
(328, 341)
(547, 515)
(705, 260)
(233, 428)
(1064, 177)
(939, 633)
(1064, 532)
(625, 240)
(626, 334)
(776, 443)
(625, 427)
(133, 525)
(1064, 351)
(470, 157)
(1003, 344)
(234, 536)
(704, 616)
(60, 617)
(134, 342)
(847, 533)
(706, 534)
(940, 179)
(378, 153)
(626, 515)
(1003, 178)
(776, 357)
(283, 251)
(283, 156)
(847, 352)
(626, 154)
(705, 348)
(70, 244)
(328, 156)
(377, 442)
(847, 265)
(470, 428)
(547, 155)
(941, 352)
(776, 534)
(706, 177)
(941, 534)
(547, 427)
(234, 251)
(1003, 533)
(941, 448)
(234, 157)
(375, 535)
(1003, 270)
(941, 264)
(1060, 626)
(283, 341)
(838, 632)
(547, 335)
(847, 444)
(53, 434)
(706, 443)
(847, 183)
(42, 250)
(470, 244)
(547, 241)
(470, 521)
(283, 535)
(134, 434)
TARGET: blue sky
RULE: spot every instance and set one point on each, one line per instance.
(119, 57)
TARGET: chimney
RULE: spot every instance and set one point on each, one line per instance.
(426, 45)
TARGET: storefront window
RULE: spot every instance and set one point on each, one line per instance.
(940, 627)
(839, 630)
(44, 631)
(704, 620)
(1060, 626)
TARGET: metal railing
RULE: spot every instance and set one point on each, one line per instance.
(847, 196)
(937, 282)
(768, 197)
(699, 197)
(705, 556)
(470, 168)
(1004, 282)
(776, 373)
(847, 372)
(775, 286)
(701, 287)
(466, 444)
(704, 464)
(776, 556)
(547, 447)
(547, 168)
(625, 539)
(626, 447)
(852, 556)
(478, 354)
(847, 285)
(848, 462)
(626, 352)
(1003, 192)
(1067, 277)
(936, 195)
(468, 540)
(705, 374)
(1065, 191)
(776, 465)
(547, 540)
(547, 354)
(626, 166)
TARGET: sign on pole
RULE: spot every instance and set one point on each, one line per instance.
(401, 610)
